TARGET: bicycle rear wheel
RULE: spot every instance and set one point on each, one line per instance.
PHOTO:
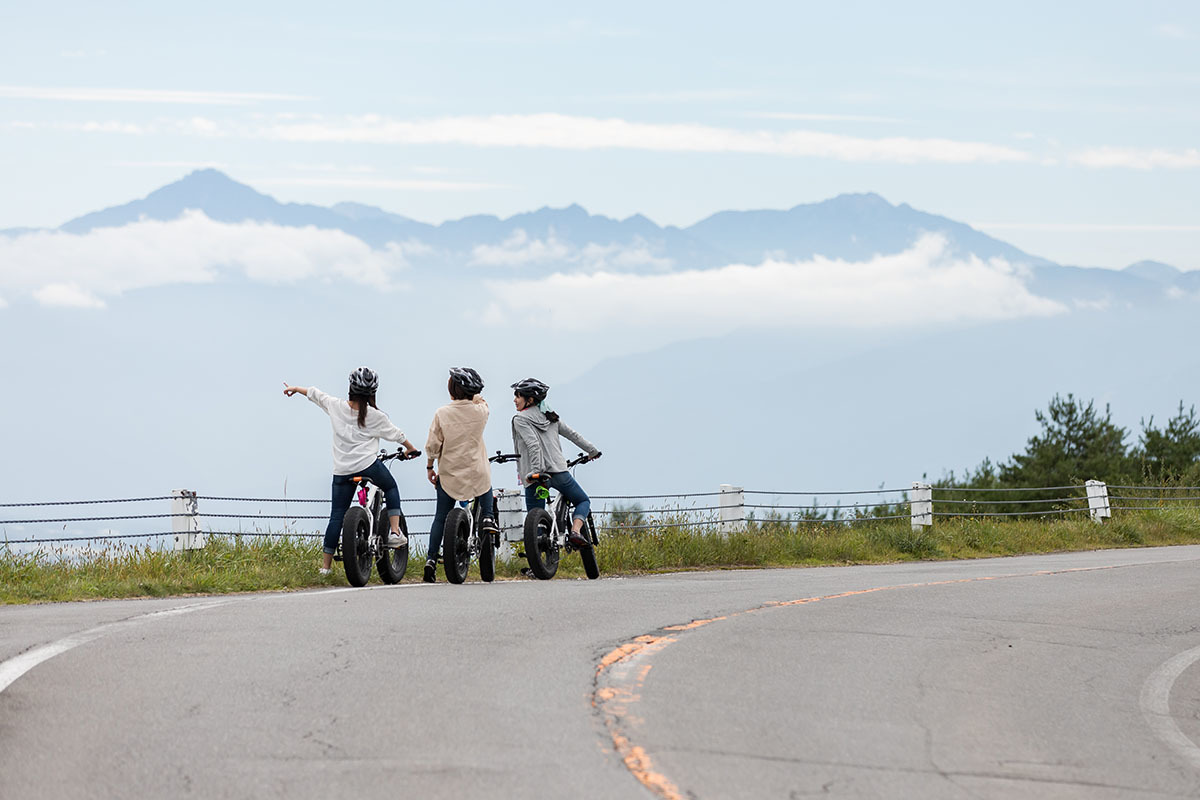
(393, 561)
(356, 546)
(456, 552)
(540, 548)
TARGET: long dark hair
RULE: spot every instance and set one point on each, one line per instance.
(550, 415)
(457, 392)
(363, 401)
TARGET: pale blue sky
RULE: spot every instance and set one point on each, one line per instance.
(1069, 129)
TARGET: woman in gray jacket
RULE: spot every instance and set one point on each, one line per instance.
(535, 430)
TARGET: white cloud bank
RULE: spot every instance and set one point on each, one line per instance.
(520, 250)
(1138, 158)
(568, 132)
(922, 285)
(67, 295)
(78, 270)
(171, 96)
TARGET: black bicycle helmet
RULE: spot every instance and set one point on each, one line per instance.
(467, 379)
(363, 381)
(532, 389)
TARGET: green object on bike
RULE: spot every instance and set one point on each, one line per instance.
(542, 493)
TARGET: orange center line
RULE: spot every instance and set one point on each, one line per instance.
(619, 684)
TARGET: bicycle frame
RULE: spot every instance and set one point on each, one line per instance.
(560, 514)
(370, 497)
(366, 530)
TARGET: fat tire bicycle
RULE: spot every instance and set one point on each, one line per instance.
(464, 538)
(365, 531)
(546, 531)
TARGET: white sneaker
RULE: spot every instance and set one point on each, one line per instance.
(397, 540)
(322, 571)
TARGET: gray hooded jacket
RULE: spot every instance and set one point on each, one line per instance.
(536, 441)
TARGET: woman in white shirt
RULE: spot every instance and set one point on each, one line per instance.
(358, 425)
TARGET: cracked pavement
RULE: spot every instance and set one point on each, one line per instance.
(1021, 687)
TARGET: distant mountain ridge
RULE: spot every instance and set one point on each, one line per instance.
(851, 227)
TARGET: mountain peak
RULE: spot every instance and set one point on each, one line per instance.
(858, 201)
(1154, 271)
(209, 174)
(204, 182)
(209, 190)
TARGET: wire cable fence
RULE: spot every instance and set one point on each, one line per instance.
(730, 509)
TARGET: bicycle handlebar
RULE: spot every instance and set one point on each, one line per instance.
(583, 459)
(503, 458)
(400, 454)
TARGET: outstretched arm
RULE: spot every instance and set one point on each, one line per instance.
(567, 432)
(314, 395)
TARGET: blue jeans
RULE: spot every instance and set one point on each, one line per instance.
(444, 503)
(567, 486)
(343, 492)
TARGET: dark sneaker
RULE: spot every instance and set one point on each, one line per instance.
(578, 539)
(430, 571)
(487, 525)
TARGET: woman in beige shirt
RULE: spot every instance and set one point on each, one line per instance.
(456, 443)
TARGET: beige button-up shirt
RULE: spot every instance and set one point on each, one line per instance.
(456, 441)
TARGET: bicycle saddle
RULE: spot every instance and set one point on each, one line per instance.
(538, 478)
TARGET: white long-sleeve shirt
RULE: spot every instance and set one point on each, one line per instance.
(354, 448)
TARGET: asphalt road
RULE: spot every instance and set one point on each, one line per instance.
(1071, 675)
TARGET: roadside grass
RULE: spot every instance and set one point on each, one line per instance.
(229, 564)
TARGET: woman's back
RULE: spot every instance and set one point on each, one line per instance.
(456, 439)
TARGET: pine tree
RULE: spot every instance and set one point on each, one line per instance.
(1076, 443)
(1173, 451)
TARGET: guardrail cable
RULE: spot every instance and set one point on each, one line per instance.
(289, 499)
(810, 508)
(1009, 513)
(1160, 499)
(818, 494)
(1030, 489)
(87, 502)
(1138, 498)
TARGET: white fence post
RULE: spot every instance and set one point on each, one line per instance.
(1097, 495)
(921, 505)
(511, 509)
(733, 509)
(186, 528)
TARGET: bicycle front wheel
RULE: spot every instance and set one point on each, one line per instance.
(393, 561)
(540, 548)
(456, 550)
(588, 554)
(487, 552)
